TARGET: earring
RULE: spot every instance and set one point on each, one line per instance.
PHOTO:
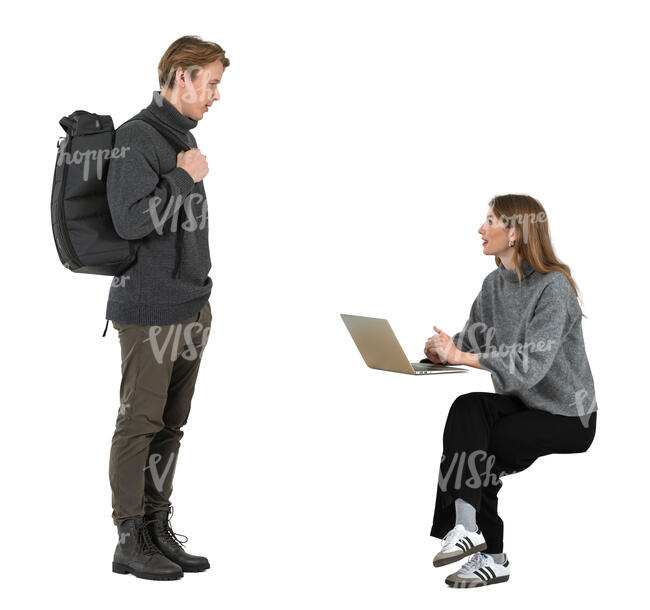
(511, 243)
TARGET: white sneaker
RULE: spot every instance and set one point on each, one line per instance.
(459, 543)
(480, 570)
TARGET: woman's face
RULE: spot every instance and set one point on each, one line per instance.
(495, 235)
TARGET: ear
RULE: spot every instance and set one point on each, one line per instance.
(180, 77)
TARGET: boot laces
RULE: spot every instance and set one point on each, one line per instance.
(169, 533)
(144, 539)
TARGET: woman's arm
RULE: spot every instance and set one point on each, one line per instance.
(520, 366)
(471, 339)
(443, 345)
(468, 359)
(523, 366)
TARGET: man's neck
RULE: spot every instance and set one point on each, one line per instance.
(171, 95)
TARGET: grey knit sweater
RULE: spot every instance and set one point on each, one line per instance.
(154, 201)
(529, 337)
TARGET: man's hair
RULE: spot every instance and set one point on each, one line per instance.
(188, 52)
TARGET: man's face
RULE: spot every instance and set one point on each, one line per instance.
(198, 94)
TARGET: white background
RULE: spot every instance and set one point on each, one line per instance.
(352, 157)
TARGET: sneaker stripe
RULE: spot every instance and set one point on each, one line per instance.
(480, 575)
(491, 571)
(469, 542)
(505, 563)
(485, 573)
(462, 544)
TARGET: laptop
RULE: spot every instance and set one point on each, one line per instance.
(380, 348)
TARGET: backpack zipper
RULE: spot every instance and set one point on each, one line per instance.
(60, 235)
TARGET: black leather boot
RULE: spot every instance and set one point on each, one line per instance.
(136, 554)
(167, 541)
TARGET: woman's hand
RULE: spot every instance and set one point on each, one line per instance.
(431, 353)
(442, 348)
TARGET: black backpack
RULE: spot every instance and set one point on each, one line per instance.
(83, 229)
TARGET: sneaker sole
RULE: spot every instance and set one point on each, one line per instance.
(443, 561)
(120, 568)
(473, 584)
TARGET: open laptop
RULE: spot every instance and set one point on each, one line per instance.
(380, 348)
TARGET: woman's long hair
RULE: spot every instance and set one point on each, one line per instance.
(532, 236)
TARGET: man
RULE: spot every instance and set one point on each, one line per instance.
(159, 306)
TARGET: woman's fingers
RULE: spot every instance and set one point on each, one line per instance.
(440, 331)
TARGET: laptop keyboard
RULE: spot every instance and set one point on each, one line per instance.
(418, 366)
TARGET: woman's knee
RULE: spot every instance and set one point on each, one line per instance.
(465, 402)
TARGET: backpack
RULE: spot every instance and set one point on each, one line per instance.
(85, 237)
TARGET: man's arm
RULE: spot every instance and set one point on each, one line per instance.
(140, 199)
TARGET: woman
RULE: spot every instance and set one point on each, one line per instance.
(525, 327)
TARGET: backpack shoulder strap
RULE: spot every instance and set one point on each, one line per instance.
(172, 138)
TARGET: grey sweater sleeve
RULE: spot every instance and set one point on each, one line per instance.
(472, 338)
(520, 367)
(140, 198)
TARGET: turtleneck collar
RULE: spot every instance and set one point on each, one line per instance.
(167, 113)
(510, 275)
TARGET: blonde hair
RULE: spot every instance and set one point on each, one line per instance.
(188, 52)
(532, 236)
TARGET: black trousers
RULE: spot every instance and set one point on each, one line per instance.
(487, 436)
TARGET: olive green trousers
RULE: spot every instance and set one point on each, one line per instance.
(160, 365)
